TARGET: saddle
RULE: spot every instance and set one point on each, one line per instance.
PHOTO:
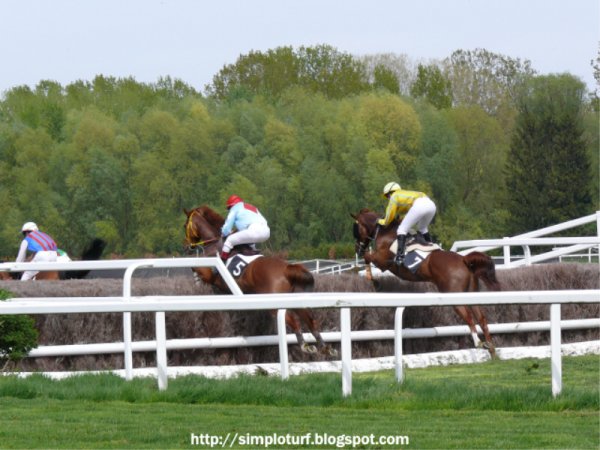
(245, 249)
(417, 250)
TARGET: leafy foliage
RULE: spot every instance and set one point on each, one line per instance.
(18, 334)
(307, 135)
(548, 165)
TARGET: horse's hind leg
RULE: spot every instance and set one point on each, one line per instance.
(480, 317)
(307, 316)
(291, 322)
(465, 313)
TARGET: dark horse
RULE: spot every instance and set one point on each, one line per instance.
(449, 271)
(92, 252)
(264, 275)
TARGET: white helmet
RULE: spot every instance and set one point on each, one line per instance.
(29, 226)
(391, 187)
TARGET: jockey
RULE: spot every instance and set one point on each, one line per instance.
(39, 243)
(415, 211)
(251, 226)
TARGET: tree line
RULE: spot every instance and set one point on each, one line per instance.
(308, 135)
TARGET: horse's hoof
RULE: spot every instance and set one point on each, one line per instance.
(307, 348)
(490, 348)
(329, 351)
(377, 285)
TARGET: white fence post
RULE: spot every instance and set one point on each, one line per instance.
(127, 354)
(398, 344)
(345, 328)
(506, 250)
(283, 347)
(161, 350)
(555, 350)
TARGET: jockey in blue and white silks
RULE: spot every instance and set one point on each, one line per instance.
(251, 226)
(39, 243)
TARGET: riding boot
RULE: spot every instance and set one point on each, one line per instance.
(420, 238)
(427, 237)
(401, 248)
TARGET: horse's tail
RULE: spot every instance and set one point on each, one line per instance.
(93, 252)
(300, 278)
(483, 267)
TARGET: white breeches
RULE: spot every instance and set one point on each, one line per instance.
(418, 217)
(255, 233)
(42, 256)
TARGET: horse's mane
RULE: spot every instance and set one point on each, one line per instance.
(373, 216)
(211, 216)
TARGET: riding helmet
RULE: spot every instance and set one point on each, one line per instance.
(234, 199)
(391, 187)
(29, 226)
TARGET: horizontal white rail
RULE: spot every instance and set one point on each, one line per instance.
(343, 301)
(35, 305)
(532, 234)
(332, 336)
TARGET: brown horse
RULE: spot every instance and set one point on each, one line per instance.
(264, 275)
(92, 252)
(448, 271)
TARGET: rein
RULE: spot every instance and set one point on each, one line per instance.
(189, 231)
(364, 244)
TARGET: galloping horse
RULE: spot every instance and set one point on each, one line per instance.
(264, 275)
(448, 271)
(92, 252)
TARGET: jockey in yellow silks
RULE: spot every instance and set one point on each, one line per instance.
(414, 209)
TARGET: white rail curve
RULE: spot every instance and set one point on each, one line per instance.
(342, 301)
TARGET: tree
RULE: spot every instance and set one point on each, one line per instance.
(400, 66)
(385, 78)
(548, 167)
(388, 123)
(321, 69)
(433, 86)
(487, 79)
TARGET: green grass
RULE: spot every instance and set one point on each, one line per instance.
(499, 404)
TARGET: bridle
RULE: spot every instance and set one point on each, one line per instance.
(363, 245)
(200, 245)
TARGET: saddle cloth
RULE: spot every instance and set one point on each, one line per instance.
(238, 263)
(416, 253)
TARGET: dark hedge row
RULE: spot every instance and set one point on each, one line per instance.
(94, 328)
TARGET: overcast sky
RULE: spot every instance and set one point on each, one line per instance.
(69, 40)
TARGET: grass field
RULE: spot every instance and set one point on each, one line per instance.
(498, 404)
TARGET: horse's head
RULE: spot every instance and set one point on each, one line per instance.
(365, 225)
(202, 230)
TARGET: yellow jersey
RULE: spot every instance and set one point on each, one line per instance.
(400, 202)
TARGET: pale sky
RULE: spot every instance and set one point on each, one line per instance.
(70, 40)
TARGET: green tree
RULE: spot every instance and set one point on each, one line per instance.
(385, 78)
(388, 123)
(433, 86)
(548, 170)
(321, 69)
(489, 80)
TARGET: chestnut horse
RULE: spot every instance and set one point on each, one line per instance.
(264, 275)
(92, 252)
(448, 271)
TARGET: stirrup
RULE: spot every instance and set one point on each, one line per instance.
(399, 259)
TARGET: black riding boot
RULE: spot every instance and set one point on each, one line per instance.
(427, 237)
(401, 247)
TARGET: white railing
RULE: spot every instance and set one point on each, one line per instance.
(343, 301)
(45, 351)
(130, 266)
(535, 238)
